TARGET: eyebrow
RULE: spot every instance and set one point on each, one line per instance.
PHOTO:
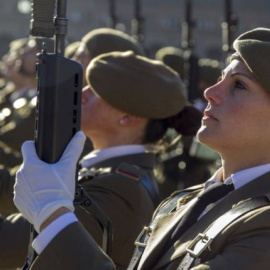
(234, 73)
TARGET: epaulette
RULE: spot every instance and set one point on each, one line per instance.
(129, 171)
(88, 174)
(126, 170)
(137, 174)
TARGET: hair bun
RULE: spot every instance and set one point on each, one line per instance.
(187, 122)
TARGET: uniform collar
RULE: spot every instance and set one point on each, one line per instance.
(240, 178)
(97, 156)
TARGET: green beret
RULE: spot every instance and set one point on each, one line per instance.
(104, 40)
(137, 85)
(254, 48)
(173, 57)
(209, 70)
(71, 49)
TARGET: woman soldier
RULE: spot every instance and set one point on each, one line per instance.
(127, 107)
(223, 225)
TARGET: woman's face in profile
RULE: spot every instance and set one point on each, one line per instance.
(237, 117)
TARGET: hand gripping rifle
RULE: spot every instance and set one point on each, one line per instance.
(190, 59)
(58, 110)
(229, 27)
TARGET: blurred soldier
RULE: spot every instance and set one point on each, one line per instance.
(71, 49)
(173, 57)
(104, 40)
(99, 41)
(180, 167)
(201, 160)
(18, 126)
(126, 121)
(209, 70)
(14, 82)
(7, 65)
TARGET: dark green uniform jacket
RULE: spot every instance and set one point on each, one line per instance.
(243, 245)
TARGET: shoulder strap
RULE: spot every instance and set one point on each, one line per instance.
(166, 207)
(203, 240)
(141, 175)
(83, 200)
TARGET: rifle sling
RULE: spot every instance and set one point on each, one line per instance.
(203, 240)
(143, 237)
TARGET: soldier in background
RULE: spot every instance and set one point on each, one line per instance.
(99, 41)
(126, 120)
(18, 125)
(173, 57)
(104, 40)
(8, 156)
(209, 70)
(71, 49)
(183, 164)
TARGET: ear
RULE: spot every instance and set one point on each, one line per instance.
(129, 120)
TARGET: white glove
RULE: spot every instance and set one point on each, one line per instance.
(41, 188)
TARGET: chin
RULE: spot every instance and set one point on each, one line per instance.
(207, 137)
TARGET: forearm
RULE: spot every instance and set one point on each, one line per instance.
(79, 250)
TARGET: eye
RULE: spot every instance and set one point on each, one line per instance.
(239, 85)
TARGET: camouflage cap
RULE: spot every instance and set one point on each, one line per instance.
(104, 40)
(137, 85)
(254, 48)
(209, 70)
(173, 57)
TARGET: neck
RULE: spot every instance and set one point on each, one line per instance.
(238, 163)
(108, 140)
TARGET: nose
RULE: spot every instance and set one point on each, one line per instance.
(213, 94)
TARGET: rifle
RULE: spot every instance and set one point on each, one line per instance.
(190, 59)
(113, 21)
(137, 24)
(58, 110)
(229, 27)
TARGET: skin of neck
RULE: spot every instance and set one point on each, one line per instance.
(241, 161)
(125, 136)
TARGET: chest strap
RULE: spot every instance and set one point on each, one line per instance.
(203, 240)
(141, 241)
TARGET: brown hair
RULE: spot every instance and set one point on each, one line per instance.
(187, 122)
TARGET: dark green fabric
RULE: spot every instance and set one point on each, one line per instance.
(104, 40)
(137, 85)
(254, 48)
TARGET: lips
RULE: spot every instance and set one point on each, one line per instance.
(208, 115)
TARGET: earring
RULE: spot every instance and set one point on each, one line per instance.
(122, 121)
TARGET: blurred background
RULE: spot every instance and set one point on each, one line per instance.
(160, 21)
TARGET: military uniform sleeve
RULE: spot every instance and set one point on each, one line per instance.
(128, 206)
(247, 246)
(73, 248)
